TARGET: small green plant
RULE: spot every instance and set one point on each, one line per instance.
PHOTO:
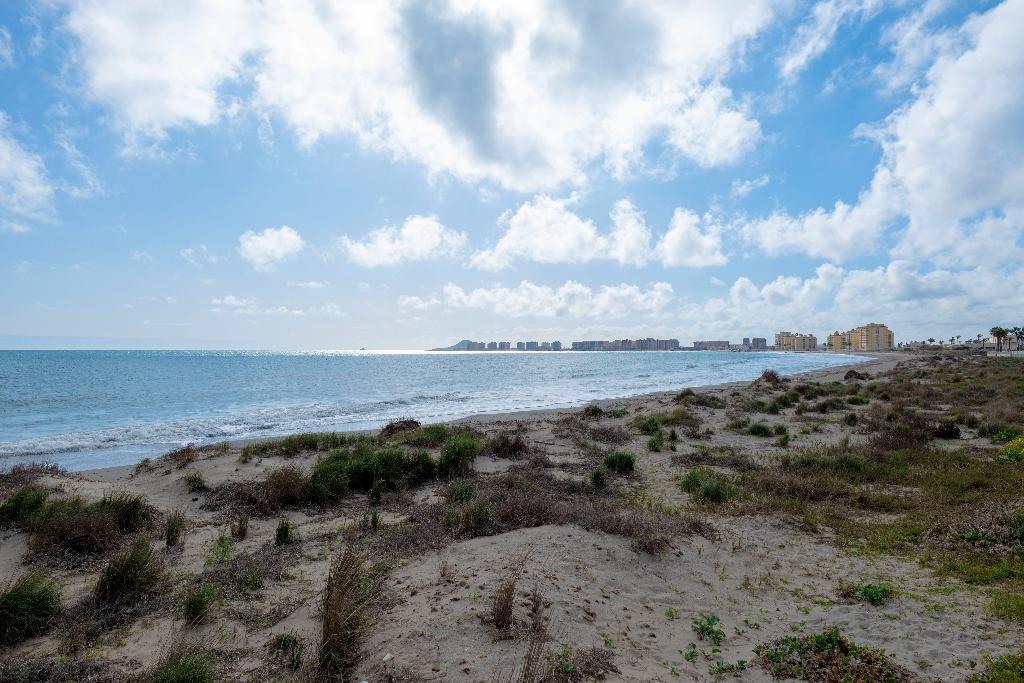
(708, 629)
(648, 426)
(195, 482)
(850, 419)
(186, 667)
(599, 477)
(671, 613)
(760, 429)
(738, 423)
(287, 648)
(782, 441)
(560, 662)
(27, 607)
(133, 571)
(223, 550)
(1013, 451)
(286, 533)
(620, 462)
(832, 654)
(457, 455)
(199, 602)
(460, 491)
(22, 505)
(707, 486)
(593, 411)
(174, 528)
(656, 443)
(720, 668)
(876, 594)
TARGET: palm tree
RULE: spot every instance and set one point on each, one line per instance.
(999, 333)
(951, 340)
(931, 340)
(1018, 334)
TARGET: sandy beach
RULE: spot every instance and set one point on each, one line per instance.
(621, 573)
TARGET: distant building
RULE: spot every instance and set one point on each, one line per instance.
(795, 341)
(556, 346)
(588, 345)
(649, 344)
(870, 337)
(545, 346)
(492, 346)
(746, 343)
(520, 346)
(759, 344)
(714, 345)
(504, 346)
(532, 346)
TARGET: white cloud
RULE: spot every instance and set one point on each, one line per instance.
(914, 45)
(523, 94)
(141, 256)
(691, 241)
(952, 168)
(6, 49)
(543, 230)
(26, 194)
(311, 284)
(420, 238)
(198, 256)
(232, 301)
(742, 188)
(547, 230)
(571, 299)
(417, 303)
(815, 35)
(264, 250)
(249, 305)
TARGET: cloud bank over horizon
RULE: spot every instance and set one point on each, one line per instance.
(453, 169)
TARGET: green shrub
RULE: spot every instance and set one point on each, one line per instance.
(284, 486)
(131, 512)
(472, 516)
(287, 648)
(876, 594)
(657, 442)
(298, 443)
(460, 491)
(186, 667)
(133, 571)
(708, 629)
(1002, 669)
(195, 482)
(592, 411)
(223, 550)
(620, 462)
(286, 533)
(858, 400)
(72, 524)
(998, 432)
(457, 455)
(690, 397)
(199, 603)
(419, 468)
(782, 441)
(679, 418)
(850, 419)
(19, 508)
(27, 607)
(429, 436)
(174, 528)
(706, 486)
(780, 430)
(1013, 451)
(831, 654)
(329, 480)
(760, 429)
(648, 426)
(738, 423)
(599, 477)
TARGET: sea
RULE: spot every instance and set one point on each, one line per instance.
(88, 409)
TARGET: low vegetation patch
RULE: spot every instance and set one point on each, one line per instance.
(298, 443)
(73, 525)
(286, 533)
(174, 528)
(506, 444)
(345, 607)
(19, 508)
(620, 462)
(707, 486)
(829, 656)
(874, 593)
(1004, 669)
(288, 649)
(133, 571)
(199, 603)
(692, 398)
(27, 607)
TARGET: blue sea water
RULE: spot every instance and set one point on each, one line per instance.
(84, 409)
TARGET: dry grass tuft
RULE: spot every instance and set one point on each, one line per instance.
(345, 605)
(503, 600)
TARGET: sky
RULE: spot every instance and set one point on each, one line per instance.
(317, 174)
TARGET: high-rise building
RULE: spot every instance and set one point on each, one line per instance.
(532, 346)
(795, 341)
(492, 346)
(758, 343)
(556, 346)
(504, 346)
(713, 345)
(520, 346)
(870, 337)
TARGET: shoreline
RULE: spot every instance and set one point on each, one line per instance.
(874, 363)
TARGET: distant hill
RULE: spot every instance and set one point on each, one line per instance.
(459, 346)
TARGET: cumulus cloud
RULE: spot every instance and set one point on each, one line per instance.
(249, 305)
(547, 230)
(952, 166)
(416, 302)
(691, 241)
(26, 193)
(523, 94)
(420, 238)
(310, 284)
(570, 299)
(264, 250)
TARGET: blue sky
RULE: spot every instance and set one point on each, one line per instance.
(312, 174)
